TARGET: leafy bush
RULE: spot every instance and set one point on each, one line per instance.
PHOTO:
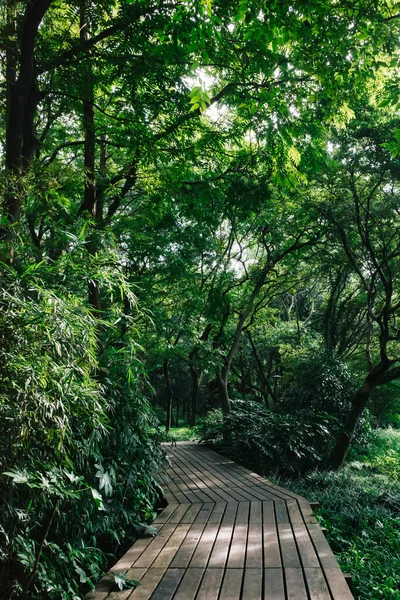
(269, 441)
(319, 382)
(76, 454)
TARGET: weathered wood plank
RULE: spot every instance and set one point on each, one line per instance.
(188, 546)
(147, 585)
(189, 585)
(337, 584)
(168, 585)
(317, 587)
(252, 585)
(210, 585)
(232, 584)
(204, 547)
(305, 547)
(274, 588)
(220, 551)
(170, 549)
(295, 586)
(272, 553)
(290, 557)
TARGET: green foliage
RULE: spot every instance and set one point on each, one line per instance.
(319, 382)
(360, 508)
(179, 434)
(269, 441)
(76, 455)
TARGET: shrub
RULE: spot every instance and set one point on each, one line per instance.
(269, 441)
(76, 454)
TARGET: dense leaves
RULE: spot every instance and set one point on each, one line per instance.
(199, 203)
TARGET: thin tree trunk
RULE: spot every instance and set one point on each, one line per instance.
(222, 381)
(168, 386)
(195, 394)
(267, 391)
(90, 197)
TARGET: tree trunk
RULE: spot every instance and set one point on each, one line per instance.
(22, 100)
(222, 380)
(168, 386)
(195, 394)
(267, 391)
(90, 196)
(359, 402)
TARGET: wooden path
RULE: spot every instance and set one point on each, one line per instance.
(228, 534)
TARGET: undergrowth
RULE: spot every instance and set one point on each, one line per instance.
(360, 507)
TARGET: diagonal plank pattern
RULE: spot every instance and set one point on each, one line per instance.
(228, 534)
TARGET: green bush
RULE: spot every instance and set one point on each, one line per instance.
(76, 450)
(269, 441)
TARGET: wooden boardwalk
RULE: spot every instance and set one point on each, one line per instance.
(228, 534)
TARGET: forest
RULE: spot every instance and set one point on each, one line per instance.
(199, 239)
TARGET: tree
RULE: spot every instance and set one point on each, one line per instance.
(361, 204)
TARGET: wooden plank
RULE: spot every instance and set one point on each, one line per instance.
(232, 584)
(168, 585)
(293, 509)
(166, 513)
(188, 546)
(202, 490)
(179, 513)
(307, 511)
(148, 584)
(218, 477)
(169, 489)
(290, 557)
(220, 551)
(316, 584)
(185, 475)
(295, 586)
(136, 573)
(254, 552)
(237, 552)
(242, 514)
(322, 548)
(272, 553)
(180, 486)
(171, 547)
(204, 547)
(274, 588)
(155, 546)
(204, 513)
(337, 584)
(210, 585)
(281, 512)
(268, 512)
(127, 560)
(192, 513)
(256, 513)
(307, 553)
(100, 592)
(217, 513)
(189, 585)
(124, 594)
(252, 585)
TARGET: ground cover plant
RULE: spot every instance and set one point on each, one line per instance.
(360, 507)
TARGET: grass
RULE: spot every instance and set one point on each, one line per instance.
(181, 434)
(360, 507)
